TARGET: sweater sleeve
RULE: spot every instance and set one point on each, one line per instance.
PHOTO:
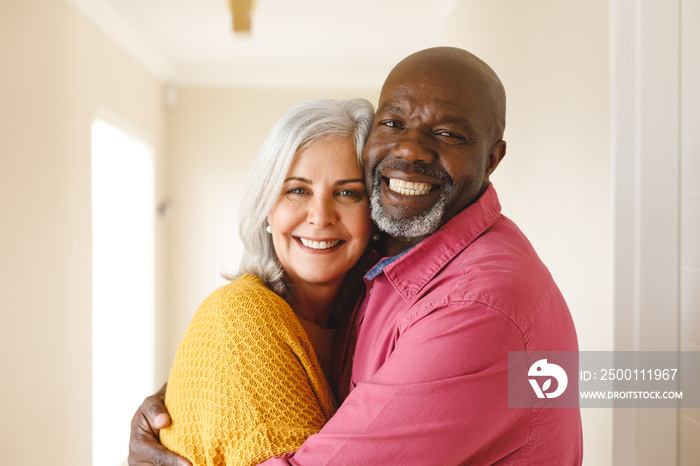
(245, 385)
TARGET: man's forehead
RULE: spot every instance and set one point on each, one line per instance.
(407, 104)
(434, 87)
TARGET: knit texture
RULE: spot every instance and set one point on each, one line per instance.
(245, 385)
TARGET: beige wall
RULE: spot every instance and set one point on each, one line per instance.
(555, 181)
(55, 71)
(689, 427)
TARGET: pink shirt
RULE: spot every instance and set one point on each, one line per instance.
(428, 382)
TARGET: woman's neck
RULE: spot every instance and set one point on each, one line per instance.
(314, 302)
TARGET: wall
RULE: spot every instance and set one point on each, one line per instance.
(555, 180)
(56, 70)
(689, 448)
(213, 136)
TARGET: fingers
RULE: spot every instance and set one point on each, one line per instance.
(144, 448)
(153, 409)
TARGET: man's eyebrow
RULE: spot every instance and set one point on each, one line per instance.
(452, 119)
(456, 119)
(389, 107)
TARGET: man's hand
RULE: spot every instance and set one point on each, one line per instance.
(144, 448)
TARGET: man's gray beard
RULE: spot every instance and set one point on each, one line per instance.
(422, 224)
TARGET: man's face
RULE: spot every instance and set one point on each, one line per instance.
(429, 153)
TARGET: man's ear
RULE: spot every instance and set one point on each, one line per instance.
(498, 151)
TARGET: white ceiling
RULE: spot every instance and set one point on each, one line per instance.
(310, 43)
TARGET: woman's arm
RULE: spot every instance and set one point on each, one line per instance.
(245, 385)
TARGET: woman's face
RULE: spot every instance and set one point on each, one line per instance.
(320, 222)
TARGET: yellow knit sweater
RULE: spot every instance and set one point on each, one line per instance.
(245, 385)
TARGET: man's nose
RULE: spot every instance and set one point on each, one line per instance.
(321, 212)
(413, 146)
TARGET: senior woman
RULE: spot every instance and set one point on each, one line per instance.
(248, 380)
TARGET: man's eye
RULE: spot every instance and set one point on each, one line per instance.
(450, 134)
(391, 124)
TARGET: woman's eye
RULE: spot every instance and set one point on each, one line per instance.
(297, 191)
(350, 193)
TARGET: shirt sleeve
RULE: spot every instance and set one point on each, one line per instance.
(441, 397)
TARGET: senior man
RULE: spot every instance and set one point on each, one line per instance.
(422, 368)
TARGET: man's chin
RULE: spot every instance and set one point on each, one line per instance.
(400, 222)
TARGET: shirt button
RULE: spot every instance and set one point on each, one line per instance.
(370, 291)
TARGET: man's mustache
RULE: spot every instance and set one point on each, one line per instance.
(409, 167)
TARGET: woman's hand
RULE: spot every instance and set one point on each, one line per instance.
(144, 448)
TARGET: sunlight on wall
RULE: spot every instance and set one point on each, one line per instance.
(123, 286)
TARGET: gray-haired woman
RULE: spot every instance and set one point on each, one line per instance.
(248, 381)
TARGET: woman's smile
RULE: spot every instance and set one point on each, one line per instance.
(319, 245)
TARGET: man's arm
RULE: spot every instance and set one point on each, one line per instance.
(144, 448)
(440, 397)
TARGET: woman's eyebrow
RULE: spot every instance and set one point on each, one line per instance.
(354, 180)
(339, 182)
(298, 178)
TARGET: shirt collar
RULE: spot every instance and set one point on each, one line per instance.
(411, 270)
(379, 266)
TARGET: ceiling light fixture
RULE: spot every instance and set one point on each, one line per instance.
(241, 14)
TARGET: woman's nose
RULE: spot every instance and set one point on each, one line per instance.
(321, 212)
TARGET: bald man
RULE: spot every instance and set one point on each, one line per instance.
(422, 367)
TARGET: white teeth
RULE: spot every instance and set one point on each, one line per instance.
(409, 188)
(319, 244)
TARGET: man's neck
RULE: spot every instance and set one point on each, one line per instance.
(397, 245)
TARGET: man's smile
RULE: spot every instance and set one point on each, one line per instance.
(409, 188)
(410, 180)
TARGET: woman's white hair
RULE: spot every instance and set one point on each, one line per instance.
(302, 125)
